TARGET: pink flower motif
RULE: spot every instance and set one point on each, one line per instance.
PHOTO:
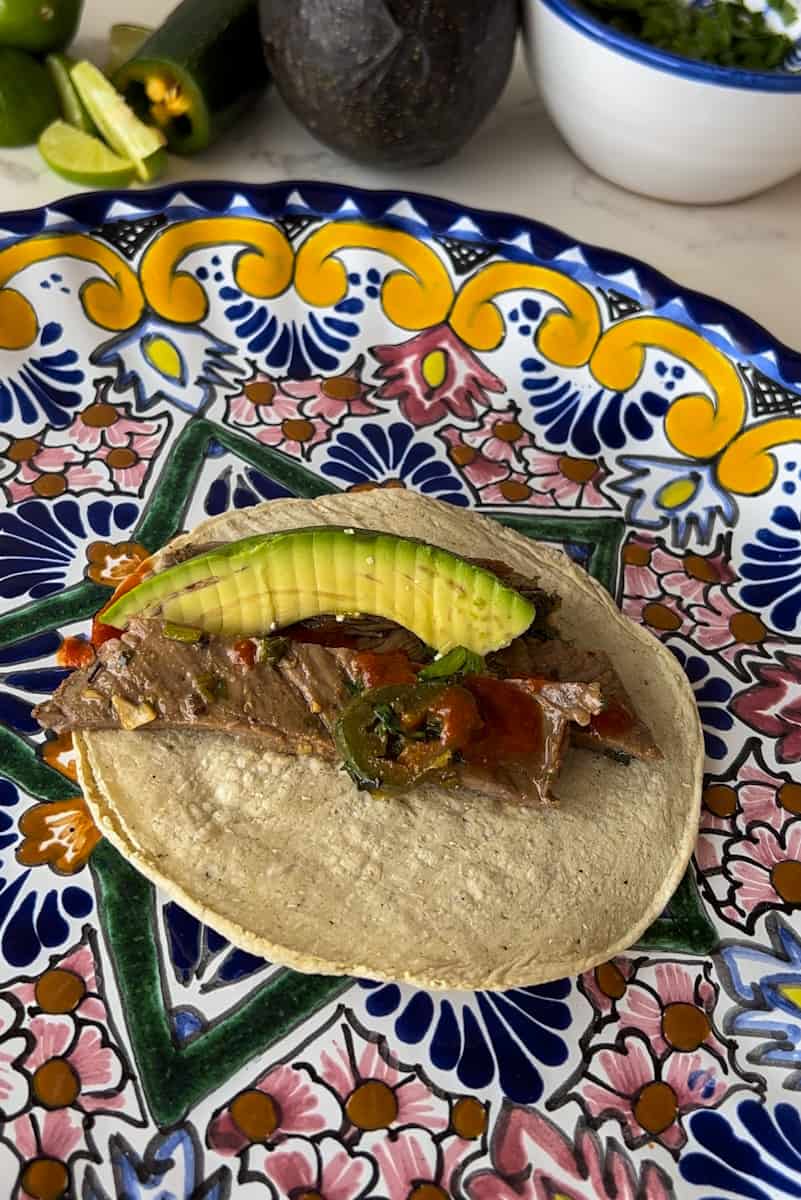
(486, 454)
(434, 374)
(44, 1141)
(647, 1097)
(68, 985)
(514, 488)
(650, 569)
(373, 1090)
(13, 1047)
(281, 1103)
(723, 626)
(749, 795)
(326, 1170)
(478, 470)
(606, 983)
(51, 470)
(299, 414)
(773, 705)
(533, 1159)
(675, 1012)
(664, 617)
(571, 482)
(72, 1066)
(411, 1159)
(766, 869)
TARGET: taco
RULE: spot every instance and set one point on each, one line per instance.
(374, 734)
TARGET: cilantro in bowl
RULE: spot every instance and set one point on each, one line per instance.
(724, 33)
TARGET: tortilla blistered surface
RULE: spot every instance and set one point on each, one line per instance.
(445, 889)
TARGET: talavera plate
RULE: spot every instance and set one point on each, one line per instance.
(167, 355)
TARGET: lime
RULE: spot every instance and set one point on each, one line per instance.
(123, 43)
(28, 100)
(117, 123)
(81, 158)
(38, 25)
(72, 109)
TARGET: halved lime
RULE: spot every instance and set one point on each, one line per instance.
(28, 100)
(117, 123)
(81, 158)
(38, 25)
(72, 108)
(123, 43)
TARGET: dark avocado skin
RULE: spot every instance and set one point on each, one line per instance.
(394, 83)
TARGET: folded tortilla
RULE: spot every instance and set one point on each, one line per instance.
(438, 888)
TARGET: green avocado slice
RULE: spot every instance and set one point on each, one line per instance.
(262, 583)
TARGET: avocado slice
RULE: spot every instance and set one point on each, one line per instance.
(263, 583)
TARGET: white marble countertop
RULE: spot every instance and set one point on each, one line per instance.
(748, 253)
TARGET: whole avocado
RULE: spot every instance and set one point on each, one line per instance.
(390, 82)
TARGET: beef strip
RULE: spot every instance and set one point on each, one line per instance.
(200, 685)
(555, 659)
(528, 779)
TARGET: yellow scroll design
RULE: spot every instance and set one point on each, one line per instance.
(566, 338)
(417, 297)
(114, 303)
(746, 467)
(262, 270)
(696, 424)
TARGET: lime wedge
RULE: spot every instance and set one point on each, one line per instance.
(81, 158)
(72, 109)
(28, 100)
(153, 166)
(117, 123)
(123, 43)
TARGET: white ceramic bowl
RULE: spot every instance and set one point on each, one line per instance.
(656, 123)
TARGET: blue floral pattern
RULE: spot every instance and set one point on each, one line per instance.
(765, 983)
(41, 544)
(237, 487)
(712, 694)
(567, 416)
(380, 454)
(200, 953)
(772, 567)
(158, 365)
(676, 494)
(764, 1165)
(488, 1039)
(44, 384)
(171, 1166)
(27, 684)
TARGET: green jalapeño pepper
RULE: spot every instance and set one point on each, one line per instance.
(196, 74)
(391, 737)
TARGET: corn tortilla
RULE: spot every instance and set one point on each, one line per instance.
(444, 890)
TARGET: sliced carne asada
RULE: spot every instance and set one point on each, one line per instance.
(521, 753)
(617, 730)
(200, 684)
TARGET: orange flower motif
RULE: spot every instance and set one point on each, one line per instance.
(60, 833)
(111, 562)
(59, 753)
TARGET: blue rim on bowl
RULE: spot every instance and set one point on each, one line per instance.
(663, 60)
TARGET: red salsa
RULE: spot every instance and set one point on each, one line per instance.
(75, 652)
(245, 652)
(512, 720)
(612, 721)
(377, 670)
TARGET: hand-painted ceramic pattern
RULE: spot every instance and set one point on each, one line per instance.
(166, 356)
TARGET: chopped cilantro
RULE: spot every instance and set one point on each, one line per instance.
(724, 33)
